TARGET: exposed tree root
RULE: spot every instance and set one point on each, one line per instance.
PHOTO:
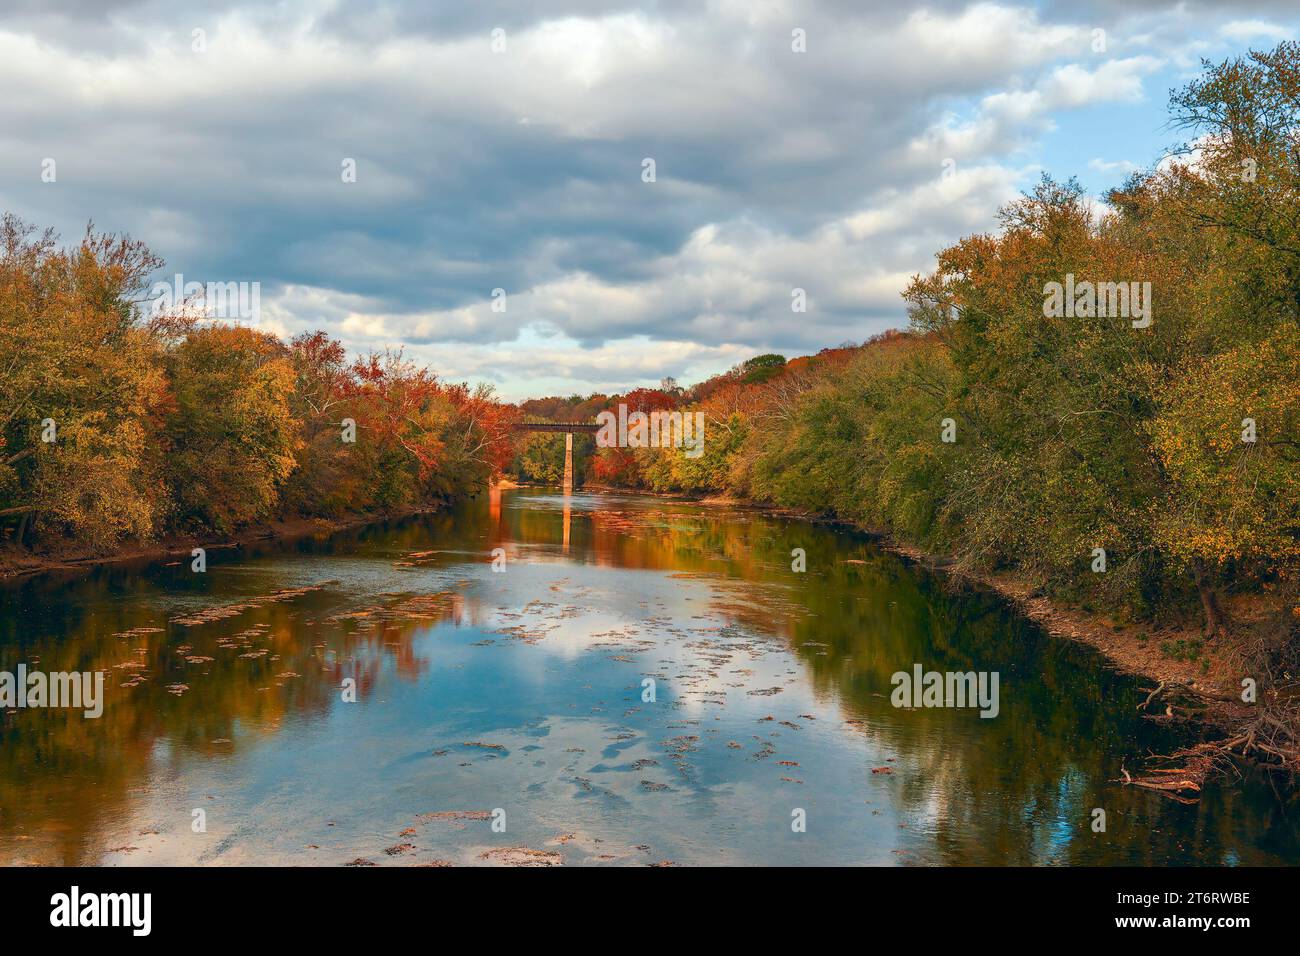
(1264, 733)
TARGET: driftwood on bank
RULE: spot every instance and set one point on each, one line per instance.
(1262, 733)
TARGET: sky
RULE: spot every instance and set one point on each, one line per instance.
(500, 226)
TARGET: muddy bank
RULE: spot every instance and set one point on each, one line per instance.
(1193, 681)
(1138, 649)
(18, 562)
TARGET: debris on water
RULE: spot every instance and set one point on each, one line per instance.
(522, 856)
(220, 613)
(400, 848)
(454, 815)
(882, 769)
(361, 861)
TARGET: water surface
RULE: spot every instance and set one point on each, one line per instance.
(521, 691)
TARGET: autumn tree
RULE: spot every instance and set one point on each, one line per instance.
(81, 387)
(232, 436)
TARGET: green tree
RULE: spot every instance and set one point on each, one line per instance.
(232, 435)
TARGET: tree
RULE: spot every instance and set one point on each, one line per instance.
(232, 435)
(760, 368)
(81, 386)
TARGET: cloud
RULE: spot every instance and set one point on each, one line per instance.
(1246, 30)
(1122, 166)
(840, 170)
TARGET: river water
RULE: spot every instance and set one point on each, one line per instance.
(627, 680)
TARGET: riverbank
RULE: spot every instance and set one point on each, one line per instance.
(1131, 649)
(1196, 682)
(18, 562)
(1193, 680)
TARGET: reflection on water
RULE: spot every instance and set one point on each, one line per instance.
(522, 691)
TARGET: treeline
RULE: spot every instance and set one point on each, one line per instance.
(1148, 468)
(120, 422)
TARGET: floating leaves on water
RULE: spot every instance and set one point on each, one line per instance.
(135, 631)
(454, 815)
(220, 613)
(522, 856)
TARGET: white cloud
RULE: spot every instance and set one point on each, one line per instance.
(521, 169)
(1245, 30)
(1119, 166)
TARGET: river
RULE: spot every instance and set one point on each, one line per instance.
(627, 680)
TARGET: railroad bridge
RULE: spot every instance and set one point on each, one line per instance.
(568, 428)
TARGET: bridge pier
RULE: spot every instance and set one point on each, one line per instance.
(569, 429)
(568, 463)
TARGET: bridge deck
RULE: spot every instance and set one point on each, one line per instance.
(590, 428)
